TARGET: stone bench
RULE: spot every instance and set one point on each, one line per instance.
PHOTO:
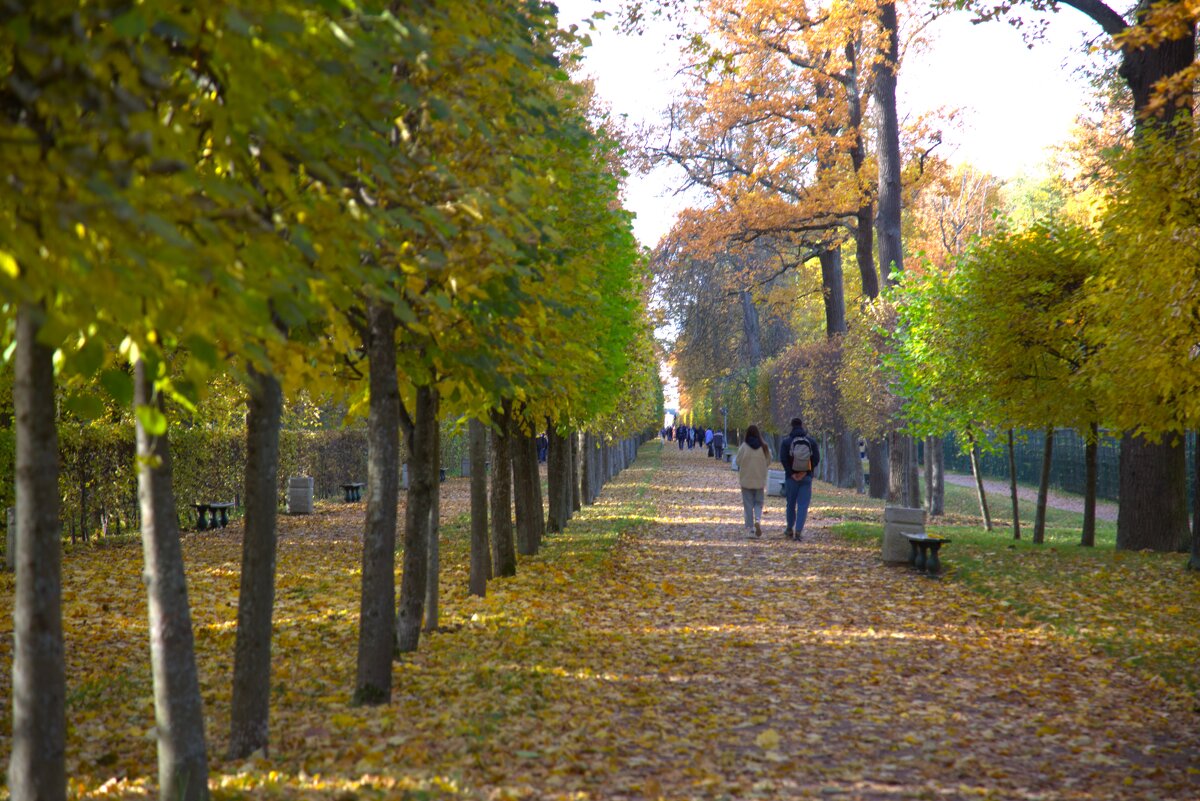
(775, 482)
(212, 509)
(353, 492)
(924, 556)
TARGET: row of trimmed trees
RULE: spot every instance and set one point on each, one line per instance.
(403, 207)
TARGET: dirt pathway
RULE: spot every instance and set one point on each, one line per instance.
(719, 667)
(1105, 510)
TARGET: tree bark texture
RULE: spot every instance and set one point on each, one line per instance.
(502, 523)
(525, 476)
(833, 291)
(877, 458)
(377, 607)
(251, 704)
(928, 465)
(576, 474)
(535, 494)
(887, 222)
(37, 763)
(1012, 485)
(937, 491)
(589, 470)
(914, 475)
(752, 328)
(481, 552)
(1039, 520)
(1091, 469)
(178, 711)
(1153, 495)
(902, 471)
(433, 585)
(423, 478)
(555, 484)
(1194, 559)
(979, 491)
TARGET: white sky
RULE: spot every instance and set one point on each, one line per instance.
(1016, 101)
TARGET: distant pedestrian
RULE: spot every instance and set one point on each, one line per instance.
(800, 457)
(543, 448)
(681, 436)
(718, 444)
(753, 458)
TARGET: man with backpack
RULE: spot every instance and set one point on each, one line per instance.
(800, 457)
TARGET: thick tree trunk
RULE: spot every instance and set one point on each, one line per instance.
(377, 606)
(589, 470)
(1194, 560)
(178, 711)
(833, 290)
(887, 222)
(913, 484)
(900, 469)
(557, 480)
(1091, 460)
(502, 523)
(979, 491)
(864, 241)
(1039, 520)
(1153, 495)
(423, 477)
(37, 763)
(251, 704)
(481, 552)
(849, 472)
(877, 457)
(433, 584)
(1012, 485)
(525, 475)
(752, 328)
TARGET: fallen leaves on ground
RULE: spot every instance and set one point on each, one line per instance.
(683, 661)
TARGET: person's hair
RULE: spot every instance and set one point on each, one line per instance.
(752, 431)
(797, 422)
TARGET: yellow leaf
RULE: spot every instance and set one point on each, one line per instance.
(8, 265)
(768, 740)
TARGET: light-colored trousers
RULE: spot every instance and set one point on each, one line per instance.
(752, 505)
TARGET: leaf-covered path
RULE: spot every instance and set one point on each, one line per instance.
(650, 651)
(716, 666)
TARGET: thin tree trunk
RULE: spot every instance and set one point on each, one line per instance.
(888, 219)
(433, 584)
(929, 475)
(833, 290)
(913, 485)
(576, 473)
(535, 494)
(377, 609)
(877, 457)
(1153, 495)
(1091, 474)
(423, 477)
(37, 763)
(1039, 520)
(250, 707)
(938, 492)
(983, 504)
(1194, 559)
(502, 524)
(178, 710)
(481, 553)
(525, 474)
(589, 470)
(849, 472)
(1012, 485)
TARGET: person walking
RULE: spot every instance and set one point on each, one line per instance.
(753, 458)
(800, 457)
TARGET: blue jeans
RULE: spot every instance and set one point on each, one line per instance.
(799, 495)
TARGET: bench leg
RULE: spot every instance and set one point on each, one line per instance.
(934, 566)
(349, 493)
(922, 557)
(212, 519)
(358, 493)
(224, 518)
(912, 557)
(201, 524)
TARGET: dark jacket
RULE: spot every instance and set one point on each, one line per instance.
(785, 450)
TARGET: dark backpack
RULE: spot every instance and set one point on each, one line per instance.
(801, 455)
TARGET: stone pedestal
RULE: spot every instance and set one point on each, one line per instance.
(300, 495)
(775, 482)
(897, 521)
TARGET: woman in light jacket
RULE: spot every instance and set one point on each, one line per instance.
(753, 457)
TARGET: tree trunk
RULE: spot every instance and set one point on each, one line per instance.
(878, 459)
(557, 479)
(938, 491)
(525, 475)
(849, 471)
(833, 290)
(37, 764)
(423, 477)
(588, 469)
(929, 475)
(1153, 495)
(983, 504)
(377, 607)
(502, 524)
(178, 710)
(433, 585)
(1012, 484)
(481, 553)
(887, 222)
(1039, 520)
(576, 473)
(250, 707)
(1091, 460)
(752, 328)
(535, 494)
(899, 472)
(914, 476)
(1194, 560)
